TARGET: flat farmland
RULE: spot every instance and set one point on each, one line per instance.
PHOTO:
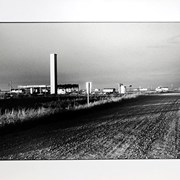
(147, 127)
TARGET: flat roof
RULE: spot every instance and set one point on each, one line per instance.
(33, 86)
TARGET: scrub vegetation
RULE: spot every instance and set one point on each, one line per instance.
(21, 110)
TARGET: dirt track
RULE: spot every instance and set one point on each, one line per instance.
(146, 128)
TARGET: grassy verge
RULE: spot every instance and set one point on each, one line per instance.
(53, 110)
(105, 101)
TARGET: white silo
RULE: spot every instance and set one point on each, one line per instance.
(88, 90)
(88, 87)
(53, 73)
(121, 89)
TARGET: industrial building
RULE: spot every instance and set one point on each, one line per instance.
(54, 88)
(45, 89)
(34, 89)
(96, 91)
(109, 90)
(67, 88)
(17, 91)
(121, 89)
(143, 89)
(162, 89)
(42, 89)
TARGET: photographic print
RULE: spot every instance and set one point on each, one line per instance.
(89, 91)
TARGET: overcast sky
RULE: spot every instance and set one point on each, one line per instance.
(141, 54)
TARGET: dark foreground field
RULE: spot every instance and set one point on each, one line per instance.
(147, 127)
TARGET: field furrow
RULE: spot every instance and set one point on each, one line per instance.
(146, 129)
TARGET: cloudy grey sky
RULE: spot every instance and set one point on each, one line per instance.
(141, 54)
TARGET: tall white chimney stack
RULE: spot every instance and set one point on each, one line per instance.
(53, 73)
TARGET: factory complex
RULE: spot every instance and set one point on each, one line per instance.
(74, 89)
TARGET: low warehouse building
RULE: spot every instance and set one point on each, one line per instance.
(35, 89)
(162, 89)
(67, 88)
(109, 90)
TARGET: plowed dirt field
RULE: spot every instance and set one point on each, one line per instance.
(147, 128)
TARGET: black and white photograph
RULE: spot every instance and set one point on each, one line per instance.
(89, 91)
